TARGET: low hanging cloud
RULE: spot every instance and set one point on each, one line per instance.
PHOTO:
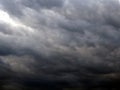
(70, 42)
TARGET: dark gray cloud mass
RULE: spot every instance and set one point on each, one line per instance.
(62, 43)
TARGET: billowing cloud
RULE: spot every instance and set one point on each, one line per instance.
(70, 42)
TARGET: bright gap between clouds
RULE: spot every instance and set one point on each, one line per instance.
(5, 18)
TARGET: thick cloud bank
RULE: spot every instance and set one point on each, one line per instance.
(59, 43)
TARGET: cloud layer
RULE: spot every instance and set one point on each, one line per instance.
(70, 41)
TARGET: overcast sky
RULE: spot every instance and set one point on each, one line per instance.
(71, 41)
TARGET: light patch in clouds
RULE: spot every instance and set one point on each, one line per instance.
(5, 18)
(18, 64)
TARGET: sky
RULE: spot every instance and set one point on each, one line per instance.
(59, 43)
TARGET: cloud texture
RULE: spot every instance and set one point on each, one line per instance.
(70, 42)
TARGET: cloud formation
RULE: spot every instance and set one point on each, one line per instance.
(75, 42)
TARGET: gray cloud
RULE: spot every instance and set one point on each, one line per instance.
(70, 41)
(43, 4)
(13, 7)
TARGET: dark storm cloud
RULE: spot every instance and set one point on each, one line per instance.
(74, 42)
